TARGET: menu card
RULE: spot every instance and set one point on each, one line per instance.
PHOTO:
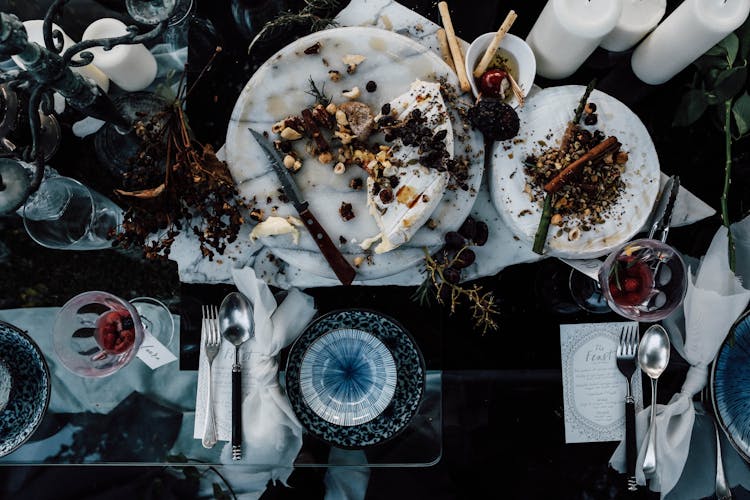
(593, 388)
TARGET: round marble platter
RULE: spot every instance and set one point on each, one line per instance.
(406, 398)
(543, 121)
(279, 89)
(25, 376)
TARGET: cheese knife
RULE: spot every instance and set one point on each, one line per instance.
(341, 267)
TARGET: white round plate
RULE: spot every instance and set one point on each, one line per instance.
(279, 89)
(543, 121)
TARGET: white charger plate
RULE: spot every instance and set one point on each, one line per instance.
(544, 118)
(279, 89)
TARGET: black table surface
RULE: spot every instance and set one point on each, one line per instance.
(503, 408)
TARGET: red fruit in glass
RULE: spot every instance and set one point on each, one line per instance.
(114, 331)
(491, 82)
(631, 283)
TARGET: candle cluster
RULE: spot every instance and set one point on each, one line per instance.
(131, 67)
(568, 31)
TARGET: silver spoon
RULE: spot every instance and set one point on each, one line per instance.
(653, 357)
(237, 327)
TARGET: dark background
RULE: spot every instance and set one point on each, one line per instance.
(503, 426)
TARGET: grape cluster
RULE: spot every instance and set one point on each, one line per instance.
(456, 254)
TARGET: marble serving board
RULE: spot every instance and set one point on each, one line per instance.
(543, 122)
(280, 89)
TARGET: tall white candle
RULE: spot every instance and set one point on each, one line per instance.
(693, 28)
(638, 18)
(35, 34)
(568, 31)
(132, 67)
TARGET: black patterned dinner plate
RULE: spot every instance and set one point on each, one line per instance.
(24, 372)
(730, 386)
(410, 383)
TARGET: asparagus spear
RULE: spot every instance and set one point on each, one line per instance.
(541, 232)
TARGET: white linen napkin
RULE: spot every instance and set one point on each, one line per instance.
(714, 300)
(270, 431)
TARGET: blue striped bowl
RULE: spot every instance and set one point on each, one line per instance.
(730, 386)
(347, 377)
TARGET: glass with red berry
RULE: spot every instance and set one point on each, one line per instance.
(97, 333)
(644, 280)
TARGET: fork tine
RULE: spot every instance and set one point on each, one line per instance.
(634, 341)
(621, 343)
(204, 330)
(215, 324)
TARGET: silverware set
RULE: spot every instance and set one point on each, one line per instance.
(626, 351)
(232, 322)
(651, 355)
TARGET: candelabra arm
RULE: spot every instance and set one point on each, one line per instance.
(53, 40)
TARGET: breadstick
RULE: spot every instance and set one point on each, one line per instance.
(458, 58)
(494, 44)
(445, 50)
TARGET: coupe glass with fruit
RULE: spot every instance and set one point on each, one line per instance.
(644, 280)
(97, 333)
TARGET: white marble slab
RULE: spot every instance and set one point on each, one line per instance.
(280, 89)
(501, 250)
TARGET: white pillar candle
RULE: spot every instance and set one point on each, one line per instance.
(693, 28)
(568, 31)
(637, 19)
(132, 67)
(35, 34)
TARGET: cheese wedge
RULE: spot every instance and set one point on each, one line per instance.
(419, 188)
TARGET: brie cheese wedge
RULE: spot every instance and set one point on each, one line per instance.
(419, 188)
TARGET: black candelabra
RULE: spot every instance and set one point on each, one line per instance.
(47, 69)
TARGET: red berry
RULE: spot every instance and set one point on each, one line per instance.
(491, 82)
(631, 284)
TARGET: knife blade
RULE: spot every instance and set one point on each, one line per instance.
(341, 267)
(663, 213)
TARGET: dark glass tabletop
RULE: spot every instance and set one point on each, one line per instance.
(501, 400)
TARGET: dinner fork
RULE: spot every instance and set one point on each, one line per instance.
(626, 352)
(211, 342)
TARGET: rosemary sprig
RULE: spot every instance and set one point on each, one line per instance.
(316, 15)
(318, 93)
(482, 304)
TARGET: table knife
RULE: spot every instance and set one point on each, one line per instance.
(341, 267)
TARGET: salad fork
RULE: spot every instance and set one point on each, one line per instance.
(626, 352)
(212, 342)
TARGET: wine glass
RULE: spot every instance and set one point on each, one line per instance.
(97, 333)
(644, 280)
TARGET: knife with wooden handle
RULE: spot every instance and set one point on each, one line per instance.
(341, 267)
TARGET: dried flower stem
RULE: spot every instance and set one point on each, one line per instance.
(727, 181)
(482, 304)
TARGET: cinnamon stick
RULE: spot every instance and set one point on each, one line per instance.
(494, 44)
(608, 145)
(458, 57)
(312, 128)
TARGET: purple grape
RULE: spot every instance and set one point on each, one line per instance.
(481, 234)
(454, 240)
(464, 259)
(452, 275)
(468, 228)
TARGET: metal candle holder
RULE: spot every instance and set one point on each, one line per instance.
(48, 70)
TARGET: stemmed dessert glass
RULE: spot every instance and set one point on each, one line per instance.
(97, 333)
(642, 280)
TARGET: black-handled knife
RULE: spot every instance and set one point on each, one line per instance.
(341, 267)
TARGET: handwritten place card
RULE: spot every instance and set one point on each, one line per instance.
(154, 353)
(593, 388)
